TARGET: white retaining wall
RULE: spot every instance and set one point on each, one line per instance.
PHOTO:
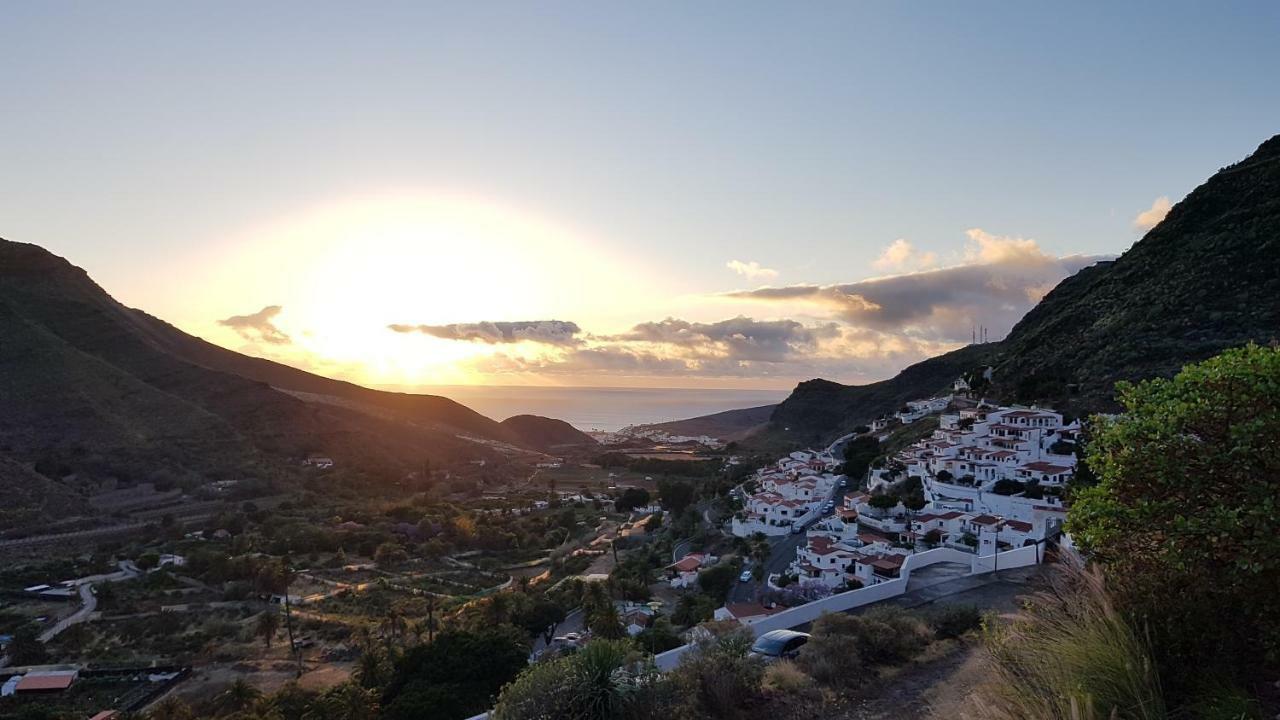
(840, 602)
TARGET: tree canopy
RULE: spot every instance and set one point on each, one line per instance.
(1185, 517)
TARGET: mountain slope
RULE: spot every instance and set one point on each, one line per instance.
(729, 425)
(1205, 279)
(818, 411)
(545, 433)
(107, 391)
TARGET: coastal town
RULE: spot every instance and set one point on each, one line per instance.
(807, 529)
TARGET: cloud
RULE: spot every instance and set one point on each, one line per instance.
(549, 332)
(675, 348)
(751, 270)
(741, 337)
(1152, 216)
(998, 280)
(258, 326)
(900, 256)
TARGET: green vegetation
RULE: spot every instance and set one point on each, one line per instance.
(1187, 498)
(1070, 655)
(456, 676)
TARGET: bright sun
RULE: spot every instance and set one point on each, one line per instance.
(344, 272)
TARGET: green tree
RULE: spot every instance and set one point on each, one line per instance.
(267, 626)
(630, 499)
(1185, 518)
(858, 455)
(542, 618)
(883, 502)
(456, 676)
(675, 495)
(26, 648)
(716, 581)
(658, 637)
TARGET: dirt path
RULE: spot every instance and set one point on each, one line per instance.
(933, 689)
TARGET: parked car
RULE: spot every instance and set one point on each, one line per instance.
(745, 576)
(797, 528)
(778, 644)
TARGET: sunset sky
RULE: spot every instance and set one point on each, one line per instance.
(660, 194)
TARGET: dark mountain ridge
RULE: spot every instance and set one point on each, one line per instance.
(104, 391)
(1205, 279)
(545, 433)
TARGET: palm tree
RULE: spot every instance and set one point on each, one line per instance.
(268, 625)
(430, 623)
(238, 696)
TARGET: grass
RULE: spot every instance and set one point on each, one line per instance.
(1069, 655)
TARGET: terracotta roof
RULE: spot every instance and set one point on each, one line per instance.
(985, 520)
(35, 683)
(687, 564)
(1045, 467)
(741, 610)
(1018, 525)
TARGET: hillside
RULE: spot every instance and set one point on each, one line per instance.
(545, 433)
(818, 411)
(105, 391)
(728, 426)
(1205, 279)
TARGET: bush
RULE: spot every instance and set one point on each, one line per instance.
(952, 621)
(831, 656)
(718, 676)
(1070, 656)
(785, 677)
(1186, 499)
(891, 635)
(603, 681)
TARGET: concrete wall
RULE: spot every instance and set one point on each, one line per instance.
(841, 602)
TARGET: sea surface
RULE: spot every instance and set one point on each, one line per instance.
(590, 408)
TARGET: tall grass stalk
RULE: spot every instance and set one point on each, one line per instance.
(1069, 655)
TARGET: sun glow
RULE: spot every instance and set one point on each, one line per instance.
(343, 273)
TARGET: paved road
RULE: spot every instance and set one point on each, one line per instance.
(573, 622)
(782, 552)
(88, 603)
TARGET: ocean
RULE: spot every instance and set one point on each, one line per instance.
(591, 408)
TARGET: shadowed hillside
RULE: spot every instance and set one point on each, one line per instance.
(545, 433)
(102, 391)
(1205, 279)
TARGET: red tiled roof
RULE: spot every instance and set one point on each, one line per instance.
(984, 520)
(687, 564)
(1044, 467)
(35, 683)
(741, 610)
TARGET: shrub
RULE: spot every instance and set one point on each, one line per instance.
(785, 677)
(605, 680)
(952, 621)
(1186, 498)
(1070, 656)
(719, 675)
(891, 635)
(831, 656)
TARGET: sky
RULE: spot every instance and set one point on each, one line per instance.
(660, 194)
